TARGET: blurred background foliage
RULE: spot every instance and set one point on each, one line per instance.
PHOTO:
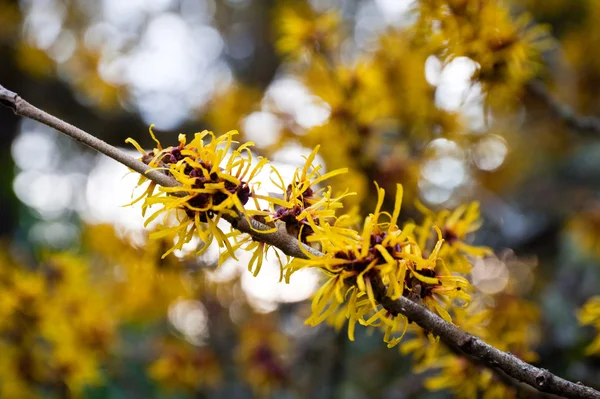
(439, 95)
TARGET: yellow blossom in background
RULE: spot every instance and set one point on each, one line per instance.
(183, 367)
(54, 329)
(139, 285)
(261, 356)
(213, 182)
(384, 90)
(356, 94)
(590, 315)
(302, 31)
(400, 61)
(228, 107)
(507, 50)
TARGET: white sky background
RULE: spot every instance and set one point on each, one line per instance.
(172, 72)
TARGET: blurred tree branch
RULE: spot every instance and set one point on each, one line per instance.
(563, 111)
(541, 379)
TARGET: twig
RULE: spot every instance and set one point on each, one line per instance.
(21, 107)
(582, 123)
(540, 379)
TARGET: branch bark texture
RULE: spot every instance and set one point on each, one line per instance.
(540, 379)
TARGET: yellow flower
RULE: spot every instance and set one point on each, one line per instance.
(507, 50)
(259, 250)
(352, 261)
(55, 330)
(260, 356)
(301, 30)
(213, 183)
(302, 200)
(511, 52)
(455, 227)
(590, 315)
(186, 368)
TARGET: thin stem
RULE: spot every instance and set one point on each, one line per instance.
(540, 379)
(581, 123)
(23, 108)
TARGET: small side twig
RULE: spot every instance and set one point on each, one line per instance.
(541, 379)
(589, 124)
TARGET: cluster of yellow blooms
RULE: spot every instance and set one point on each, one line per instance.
(208, 191)
(62, 319)
(507, 50)
(428, 262)
(54, 331)
(377, 96)
(59, 317)
(422, 262)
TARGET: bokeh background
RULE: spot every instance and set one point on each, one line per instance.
(102, 316)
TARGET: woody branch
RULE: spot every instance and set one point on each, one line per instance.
(540, 379)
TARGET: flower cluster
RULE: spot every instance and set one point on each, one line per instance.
(302, 201)
(302, 30)
(381, 93)
(421, 262)
(354, 260)
(54, 331)
(208, 191)
(213, 184)
(507, 50)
